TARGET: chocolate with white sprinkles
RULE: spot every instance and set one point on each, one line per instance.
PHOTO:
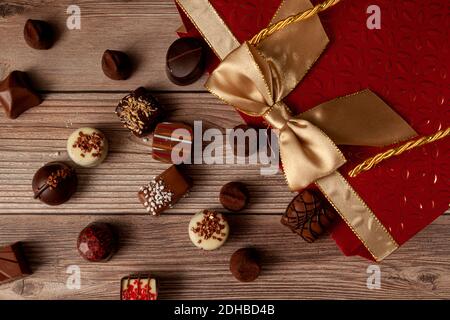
(164, 191)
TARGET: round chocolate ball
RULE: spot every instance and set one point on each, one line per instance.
(38, 34)
(245, 265)
(234, 196)
(186, 61)
(97, 242)
(55, 183)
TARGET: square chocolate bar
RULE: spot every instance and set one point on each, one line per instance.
(164, 190)
(172, 143)
(139, 112)
(138, 287)
(13, 265)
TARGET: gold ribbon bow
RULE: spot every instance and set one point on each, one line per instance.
(255, 80)
(250, 83)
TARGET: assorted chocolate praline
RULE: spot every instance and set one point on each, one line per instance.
(186, 61)
(309, 215)
(55, 183)
(139, 287)
(116, 65)
(97, 242)
(139, 112)
(17, 94)
(234, 196)
(245, 264)
(38, 34)
(13, 265)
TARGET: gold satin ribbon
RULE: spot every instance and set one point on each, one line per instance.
(255, 80)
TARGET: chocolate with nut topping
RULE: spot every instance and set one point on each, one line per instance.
(139, 112)
(54, 183)
(87, 147)
(208, 230)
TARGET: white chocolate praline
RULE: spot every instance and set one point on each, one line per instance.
(87, 152)
(208, 230)
(137, 288)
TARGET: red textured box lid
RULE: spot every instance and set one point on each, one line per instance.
(406, 63)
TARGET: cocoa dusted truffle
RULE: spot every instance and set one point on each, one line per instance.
(245, 265)
(97, 242)
(234, 196)
(139, 112)
(116, 65)
(55, 183)
(38, 34)
(17, 95)
(309, 215)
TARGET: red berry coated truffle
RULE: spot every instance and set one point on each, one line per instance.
(97, 242)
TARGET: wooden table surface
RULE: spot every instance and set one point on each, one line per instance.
(78, 94)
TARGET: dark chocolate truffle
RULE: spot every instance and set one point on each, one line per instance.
(245, 265)
(54, 183)
(234, 196)
(116, 65)
(139, 112)
(309, 215)
(17, 95)
(38, 34)
(97, 242)
(186, 61)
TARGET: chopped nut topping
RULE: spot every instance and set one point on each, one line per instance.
(56, 177)
(88, 143)
(211, 226)
(136, 113)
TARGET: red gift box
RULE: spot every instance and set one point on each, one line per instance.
(406, 64)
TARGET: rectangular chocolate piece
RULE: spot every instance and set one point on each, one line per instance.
(139, 112)
(13, 265)
(138, 287)
(164, 190)
(172, 143)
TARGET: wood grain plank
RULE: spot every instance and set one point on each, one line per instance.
(39, 136)
(292, 269)
(143, 29)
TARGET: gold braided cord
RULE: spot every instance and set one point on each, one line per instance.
(264, 33)
(371, 162)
